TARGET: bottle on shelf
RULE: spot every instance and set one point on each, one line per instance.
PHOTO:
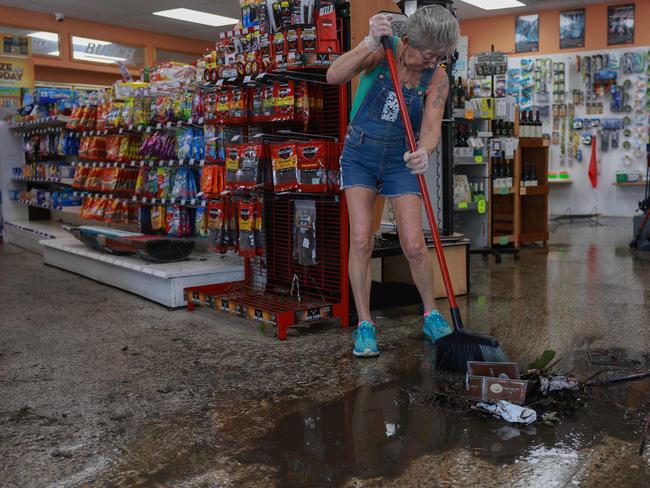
(533, 174)
(537, 125)
(524, 176)
(496, 182)
(508, 174)
(459, 94)
(511, 129)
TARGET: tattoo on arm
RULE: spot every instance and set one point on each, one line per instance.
(440, 91)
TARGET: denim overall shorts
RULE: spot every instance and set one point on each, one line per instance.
(375, 142)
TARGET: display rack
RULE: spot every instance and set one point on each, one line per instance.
(277, 290)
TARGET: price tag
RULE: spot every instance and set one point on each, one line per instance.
(158, 125)
(130, 126)
(169, 124)
(522, 190)
(120, 131)
(160, 163)
(141, 163)
(144, 199)
(203, 203)
(148, 130)
(260, 76)
(134, 199)
(503, 240)
(182, 201)
(193, 201)
(190, 120)
(200, 120)
(101, 165)
(503, 191)
(220, 82)
(106, 132)
(481, 207)
(170, 162)
(122, 165)
(181, 162)
(151, 164)
(191, 161)
(202, 162)
(462, 205)
(179, 123)
(247, 79)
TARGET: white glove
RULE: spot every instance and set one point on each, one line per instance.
(379, 26)
(418, 161)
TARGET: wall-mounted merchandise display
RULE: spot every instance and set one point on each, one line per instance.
(593, 107)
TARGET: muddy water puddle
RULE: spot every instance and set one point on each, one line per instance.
(379, 430)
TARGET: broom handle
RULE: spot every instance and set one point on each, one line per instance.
(455, 312)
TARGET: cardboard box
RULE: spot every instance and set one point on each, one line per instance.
(493, 382)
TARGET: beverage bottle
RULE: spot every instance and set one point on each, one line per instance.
(533, 174)
(524, 176)
(508, 175)
(538, 125)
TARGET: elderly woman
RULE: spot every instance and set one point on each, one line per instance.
(375, 160)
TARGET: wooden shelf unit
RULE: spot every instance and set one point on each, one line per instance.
(520, 214)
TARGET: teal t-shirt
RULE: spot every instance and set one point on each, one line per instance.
(365, 82)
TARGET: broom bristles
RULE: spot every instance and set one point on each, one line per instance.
(454, 350)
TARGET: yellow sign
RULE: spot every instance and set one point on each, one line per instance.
(16, 73)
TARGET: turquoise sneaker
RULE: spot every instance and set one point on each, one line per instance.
(435, 326)
(365, 344)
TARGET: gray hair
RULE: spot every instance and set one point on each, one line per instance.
(433, 27)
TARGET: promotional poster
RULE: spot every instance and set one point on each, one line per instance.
(620, 24)
(572, 28)
(527, 33)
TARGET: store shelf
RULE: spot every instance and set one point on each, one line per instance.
(58, 181)
(32, 203)
(469, 163)
(163, 283)
(560, 182)
(533, 142)
(187, 202)
(140, 163)
(45, 124)
(27, 234)
(628, 183)
(533, 190)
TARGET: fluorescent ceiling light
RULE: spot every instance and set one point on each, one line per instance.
(98, 58)
(495, 4)
(189, 15)
(85, 40)
(46, 36)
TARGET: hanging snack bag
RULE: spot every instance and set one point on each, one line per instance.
(180, 187)
(141, 181)
(249, 165)
(304, 232)
(232, 166)
(237, 114)
(284, 162)
(312, 166)
(216, 222)
(201, 222)
(284, 101)
(246, 213)
(164, 182)
(223, 105)
(207, 178)
(259, 228)
(257, 104)
(158, 216)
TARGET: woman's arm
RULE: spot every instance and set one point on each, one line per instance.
(352, 63)
(434, 109)
(365, 56)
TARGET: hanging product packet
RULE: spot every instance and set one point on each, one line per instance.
(260, 241)
(216, 224)
(304, 232)
(284, 162)
(201, 222)
(246, 213)
(312, 166)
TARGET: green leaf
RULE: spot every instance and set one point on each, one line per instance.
(543, 361)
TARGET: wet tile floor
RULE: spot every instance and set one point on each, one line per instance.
(110, 390)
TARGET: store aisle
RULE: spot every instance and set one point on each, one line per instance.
(101, 386)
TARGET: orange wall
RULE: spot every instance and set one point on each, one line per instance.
(500, 31)
(64, 69)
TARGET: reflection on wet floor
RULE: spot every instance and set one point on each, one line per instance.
(585, 291)
(377, 431)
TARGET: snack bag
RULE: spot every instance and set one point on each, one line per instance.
(304, 232)
(201, 222)
(207, 179)
(164, 182)
(284, 162)
(312, 166)
(246, 214)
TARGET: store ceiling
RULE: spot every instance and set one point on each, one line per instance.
(467, 11)
(138, 14)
